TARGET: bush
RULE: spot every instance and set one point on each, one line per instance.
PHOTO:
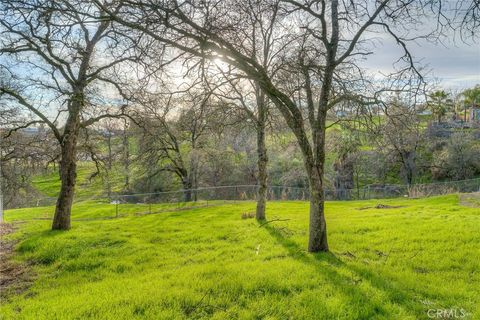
(459, 159)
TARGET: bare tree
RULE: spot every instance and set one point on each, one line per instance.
(400, 137)
(71, 55)
(336, 32)
(462, 16)
(345, 144)
(174, 130)
(470, 21)
(24, 152)
(265, 47)
(253, 102)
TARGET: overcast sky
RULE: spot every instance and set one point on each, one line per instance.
(455, 65)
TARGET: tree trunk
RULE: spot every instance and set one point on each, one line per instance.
(68, 175)
(344, 178)
(262, 159)
(408, 166)
(109, 164)
(192, 178)
(318, 227)
(317, 241)
(126, 157)
(187, 189)
(187, 196)
(262, 174)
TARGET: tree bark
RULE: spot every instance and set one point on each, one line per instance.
(68, 174)
(317, 240)
(262, 174)
(344, 178)
(126, 157)
(408, 166)
(109, 163)
(192, 177)
(187, 187)
(187, 196)
(262, 158)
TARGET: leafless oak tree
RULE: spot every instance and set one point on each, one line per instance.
(337, 31)
(59, 58)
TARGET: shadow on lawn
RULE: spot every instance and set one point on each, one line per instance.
(330, 265)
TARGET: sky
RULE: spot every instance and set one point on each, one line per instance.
(455, 65)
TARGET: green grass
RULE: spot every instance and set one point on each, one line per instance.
(102, 209)
(49, 183)
(209, 263)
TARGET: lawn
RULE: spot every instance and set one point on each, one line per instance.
(385, 263)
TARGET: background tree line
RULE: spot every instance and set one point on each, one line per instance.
(197, 148)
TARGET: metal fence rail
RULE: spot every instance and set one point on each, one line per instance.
(204, 196)
(207, 195)
(285, 193)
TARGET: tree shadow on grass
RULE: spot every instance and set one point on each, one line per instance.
(330, 266)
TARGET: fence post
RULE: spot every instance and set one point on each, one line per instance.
(116, 207)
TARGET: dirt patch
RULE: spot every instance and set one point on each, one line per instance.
(381, 206)
(5, 228)
(15, 278)
(471, 200)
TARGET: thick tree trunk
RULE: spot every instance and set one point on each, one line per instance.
(262, 174)
(317, 241)
(318, 227)
(262, 157)
(187, 187)
(187, 195)
(68, 176)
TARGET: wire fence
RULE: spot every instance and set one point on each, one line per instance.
(202, 196)
(158, 201)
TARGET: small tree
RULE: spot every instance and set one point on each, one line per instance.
(459, 159)
(471, 99)
(174, 128)
(400, 137)
(439, 103)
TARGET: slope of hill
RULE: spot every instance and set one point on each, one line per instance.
(89, 184)
(394, 261)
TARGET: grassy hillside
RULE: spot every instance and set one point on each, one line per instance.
(88, 185)
(389, 263)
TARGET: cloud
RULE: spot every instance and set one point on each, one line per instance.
(455, 65)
